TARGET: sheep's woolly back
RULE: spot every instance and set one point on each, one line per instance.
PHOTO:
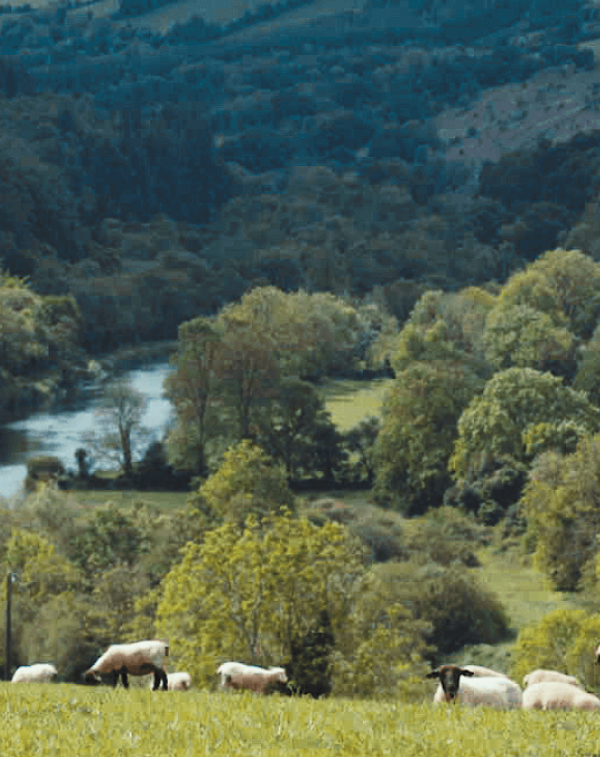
(40, 672)
(134, 657)
(546, 676)
(479, 670)
(491, 691)
(557, 695)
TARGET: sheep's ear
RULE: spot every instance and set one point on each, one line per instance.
(433, 674)
(466, 672)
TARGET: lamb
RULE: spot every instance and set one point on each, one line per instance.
(557, 695)
(137, 659)
(546, 676)
(493, 691)
(41, 672)
(177, 681)
(236, 675)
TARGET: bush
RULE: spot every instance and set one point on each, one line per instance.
(444, 536)
(460, 611)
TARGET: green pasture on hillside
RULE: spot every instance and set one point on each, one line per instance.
(64, 719)
(351, 402)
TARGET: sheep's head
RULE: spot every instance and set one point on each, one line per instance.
(281, 676)
(449, 676)
(90, 676)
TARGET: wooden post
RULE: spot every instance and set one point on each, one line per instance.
(10, 579)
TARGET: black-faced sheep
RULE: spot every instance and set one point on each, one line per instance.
(137, 659)
(461, 685)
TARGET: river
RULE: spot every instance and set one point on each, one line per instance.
(62, 429)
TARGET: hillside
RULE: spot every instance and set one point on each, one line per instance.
(324, 145)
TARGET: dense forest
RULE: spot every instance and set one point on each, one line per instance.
(289, 202)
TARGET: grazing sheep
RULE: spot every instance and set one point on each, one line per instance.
(137, 659)
(557, 695)
(479, 670)
(41, 672)
(546, 676)
(177, 681)
(236, 675)
(459, 684)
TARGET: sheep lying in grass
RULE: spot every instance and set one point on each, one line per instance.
(41, 672)
(546, 676)
(556, 695)
(461, 685)
(236, 675)
(137, 659)
(177, 681)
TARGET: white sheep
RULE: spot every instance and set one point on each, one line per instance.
(461, 685)
(556, 695)
(236, 675)
(546, 676)
(40, 672)
(137, 659)
(176, 681)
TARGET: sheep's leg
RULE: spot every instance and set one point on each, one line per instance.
(157, 680)
(163, 676)
(124, 678)
(114, 678)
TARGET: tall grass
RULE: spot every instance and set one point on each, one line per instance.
(70, 720)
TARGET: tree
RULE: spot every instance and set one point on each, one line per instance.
(108, 539)
(249, 594)
(495, 423)
(292, 429)
(547, 644)
(419, 428)
(191, 387)
(248, 482)
(119, 415)
(521, 336)
(360, 440)
(561, 506)
(564, 285)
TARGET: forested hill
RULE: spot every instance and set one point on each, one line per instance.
(158, 160)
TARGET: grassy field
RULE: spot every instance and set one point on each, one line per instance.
(66, 719)
(350, 402)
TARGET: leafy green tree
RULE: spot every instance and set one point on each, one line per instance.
(419, 428)
(523, 337)
(563, 284)
(119, 417)
(496, 423)
(248, 482)
(446, 326)
(292, 429)
(247, 595)
(109, 538)
(191, 387)
(562, 512)
(547, 644)
(248, 367)
(587, 378)
(360, 441)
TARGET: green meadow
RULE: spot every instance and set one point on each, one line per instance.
(65, 719)
(351, 402)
